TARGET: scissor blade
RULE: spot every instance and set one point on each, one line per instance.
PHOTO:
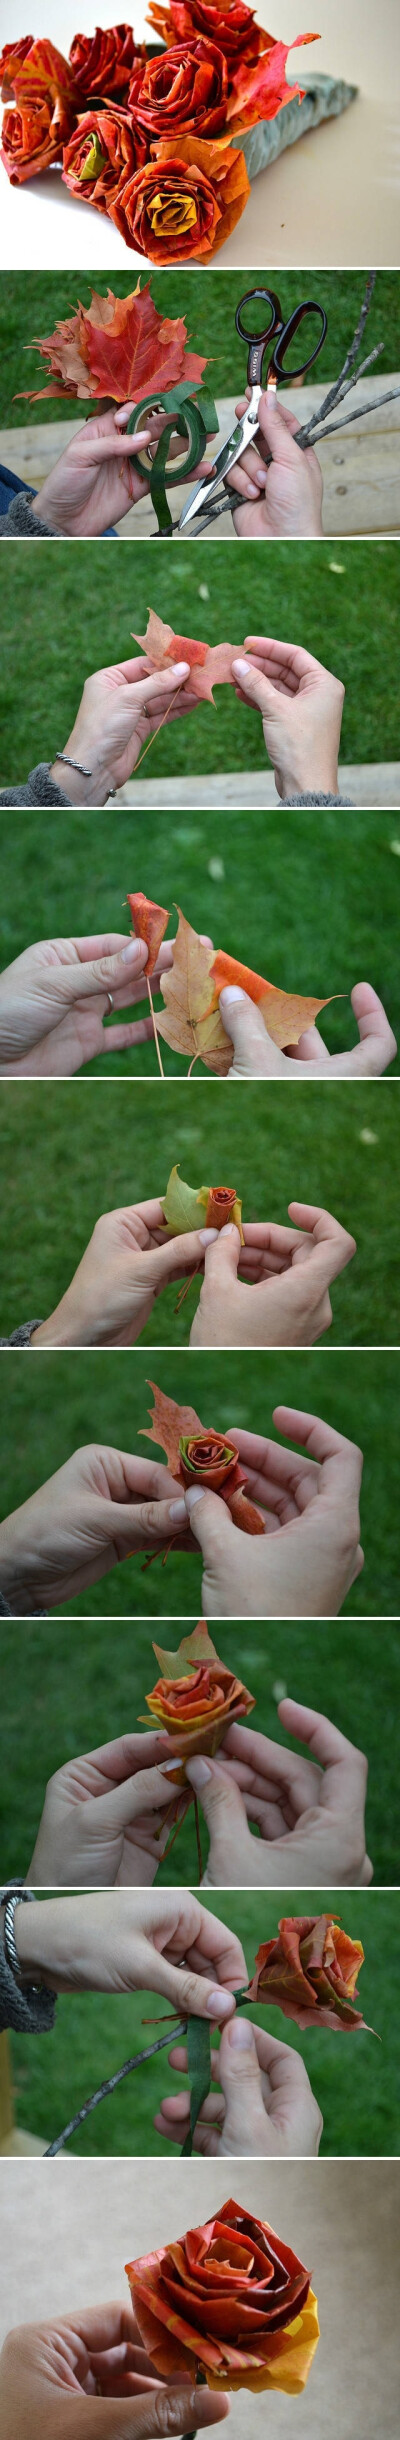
(227, 457)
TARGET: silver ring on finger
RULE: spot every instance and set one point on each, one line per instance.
(110, 999)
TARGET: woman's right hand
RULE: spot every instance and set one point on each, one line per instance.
(123, 1270)
(87, 2377)
(255, 1054)
(54, 998)
(308, 1810)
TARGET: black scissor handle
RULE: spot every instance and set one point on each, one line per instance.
(287, 334)
(257, 342)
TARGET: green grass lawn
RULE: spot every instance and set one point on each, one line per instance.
(353, 2077)
(33, 303)
(311, 900)
(74, 1399)
(92, 1152)
(67, 1697)
(67, 613)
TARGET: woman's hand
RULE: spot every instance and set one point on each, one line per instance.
(287, 1306)
(89, 2374)
(120, 708)
(255, 1054)
(164, 1941)
(55, 997)
(100, 1508)
(284, 497)
(106, 1817)
(301, 706)
(308, 1809)
(265, 2108)
(310, 1554)
(122, 1271)
(95, 481)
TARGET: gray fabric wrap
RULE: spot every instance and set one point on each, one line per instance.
(39, 789)
(21, 517)
(22, 1336)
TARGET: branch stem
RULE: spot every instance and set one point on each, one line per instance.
(108, 2087)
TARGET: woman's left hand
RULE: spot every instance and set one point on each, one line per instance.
(125, 1267)
(96, 481)
(162, 1941)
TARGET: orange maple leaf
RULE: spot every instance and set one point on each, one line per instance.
(286, 1014)
(190, 1025)
(209, 664)
(119, 348)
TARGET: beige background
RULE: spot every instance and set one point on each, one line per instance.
(334, 198)
(67, 2229)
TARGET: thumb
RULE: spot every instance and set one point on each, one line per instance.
(182, 1253)
(257, 688)
(223, 1255)
(239, 2074)
(254, 1052)
(160, 682)
(92, 975)
(147, 1792)
(278, 428)
(210, 1522)
(157, 2413)
(226, 1817)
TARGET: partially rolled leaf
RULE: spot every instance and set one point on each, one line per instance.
(286, 1015)
(187, 1207)
(149, 922)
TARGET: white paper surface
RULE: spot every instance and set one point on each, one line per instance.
(333, 200)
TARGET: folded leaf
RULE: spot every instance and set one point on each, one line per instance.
(149, 922)
(201, 1455)
(259, 89)
(209, 664)
(167, 1422)
(193, 1650)
(190, 1026)
(185, 1207)
(285, 1014)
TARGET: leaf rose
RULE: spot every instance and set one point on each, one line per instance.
(194, 1455)
(232, 2299)
(310, 1972)
(197, 1697)
(103, 151)
(102, 62)
(42, 114)
(184, 203)
(232, 27)
(11, 58)
(184, 88)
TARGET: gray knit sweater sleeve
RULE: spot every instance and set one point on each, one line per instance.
(22, 1336)
(317, 800)
(5, 1611)
(24, 2011)
(22, 518)
(39, 789)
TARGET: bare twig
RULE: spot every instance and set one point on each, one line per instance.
(108, 2087)
(340, 394)
(370, 408)
(333, 394)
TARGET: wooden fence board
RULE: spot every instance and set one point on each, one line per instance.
(367, 784)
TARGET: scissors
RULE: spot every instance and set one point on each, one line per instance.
(274, 340)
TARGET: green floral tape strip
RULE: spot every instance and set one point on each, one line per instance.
(193, 422)
(198, 2037)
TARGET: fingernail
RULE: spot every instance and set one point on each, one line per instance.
(195, 1493)
(229, 1229)
(241, 2033)
(177, 1512)
(180, 669)
(252, 487)
(134, 950)
(219, 2003)
(207, 1235)
(175, 1763)
(259, 477)
(241, 668)
(198, 1770)
(230, 994)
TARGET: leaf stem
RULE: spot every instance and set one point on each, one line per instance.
(162, 1070)
(156, 732)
